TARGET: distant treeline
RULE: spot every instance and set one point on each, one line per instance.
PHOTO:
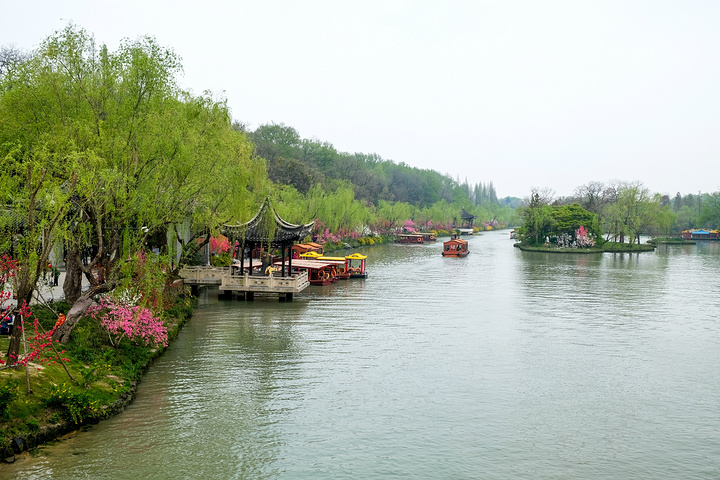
(304, 164)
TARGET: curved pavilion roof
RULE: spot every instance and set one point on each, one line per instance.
(267, 227)
(467, 216)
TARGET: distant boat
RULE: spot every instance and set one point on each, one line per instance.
(701, 235)
(455, 247)
(410, 238)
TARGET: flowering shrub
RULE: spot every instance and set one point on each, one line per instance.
(582, 238)
(128, 295)
(136, 323)
(219, 245)
(409, 226)
(40, 346)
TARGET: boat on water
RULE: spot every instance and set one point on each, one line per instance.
(319, 272)
(429, 236)
(349, 266)
(338, 264)
(455, 247)
(701, 234)
(300, 248)
(410, 238)
(356, 265)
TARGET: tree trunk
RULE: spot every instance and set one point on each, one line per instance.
(15, 338)
(16, 334)
(72, 286)
(77, 311)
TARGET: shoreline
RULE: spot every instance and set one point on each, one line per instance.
(615, 248)
(19, 442)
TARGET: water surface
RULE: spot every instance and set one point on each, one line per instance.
(503, 364)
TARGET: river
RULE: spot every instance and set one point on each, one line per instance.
(504, 364)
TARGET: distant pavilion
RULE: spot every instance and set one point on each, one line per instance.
(467, 218)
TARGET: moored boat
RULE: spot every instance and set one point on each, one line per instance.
(319, 272)
(339, 265)
(299, 248)
(349, 266)
(701, 234)
(356, 265)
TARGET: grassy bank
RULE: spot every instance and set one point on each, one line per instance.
(671, 241)
(100, 379)
(607, 247)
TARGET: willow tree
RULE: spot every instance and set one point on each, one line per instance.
(131, 152)
(632, 213)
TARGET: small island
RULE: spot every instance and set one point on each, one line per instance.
(572, 229)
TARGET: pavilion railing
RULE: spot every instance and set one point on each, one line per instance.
(295, 282)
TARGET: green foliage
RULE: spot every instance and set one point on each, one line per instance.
(33, 424)
(113, 132)
(541, 221)
(221, 260)
(75, 404)
(710, 213)
(9, 391)
(303, 163)
(568, 218)
(537, 221)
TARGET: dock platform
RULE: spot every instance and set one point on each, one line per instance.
(245, 286)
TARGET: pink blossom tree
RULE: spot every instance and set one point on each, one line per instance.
(135, 322)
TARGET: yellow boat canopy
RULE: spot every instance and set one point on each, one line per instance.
(312, 254)
(332, 259)
(356, 256)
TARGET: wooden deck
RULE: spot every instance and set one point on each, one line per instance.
(246, 285)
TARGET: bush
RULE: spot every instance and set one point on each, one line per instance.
(33, 424)
(8, 392)
(74, 404)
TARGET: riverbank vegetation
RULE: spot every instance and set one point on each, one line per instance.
(58, 388)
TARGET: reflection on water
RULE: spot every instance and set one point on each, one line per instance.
(502, 364)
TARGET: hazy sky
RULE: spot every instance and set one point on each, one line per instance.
(547, 94)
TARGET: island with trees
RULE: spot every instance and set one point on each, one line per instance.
(611, 217)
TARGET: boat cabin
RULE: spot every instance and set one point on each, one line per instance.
(319, 272)
(455, 247)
